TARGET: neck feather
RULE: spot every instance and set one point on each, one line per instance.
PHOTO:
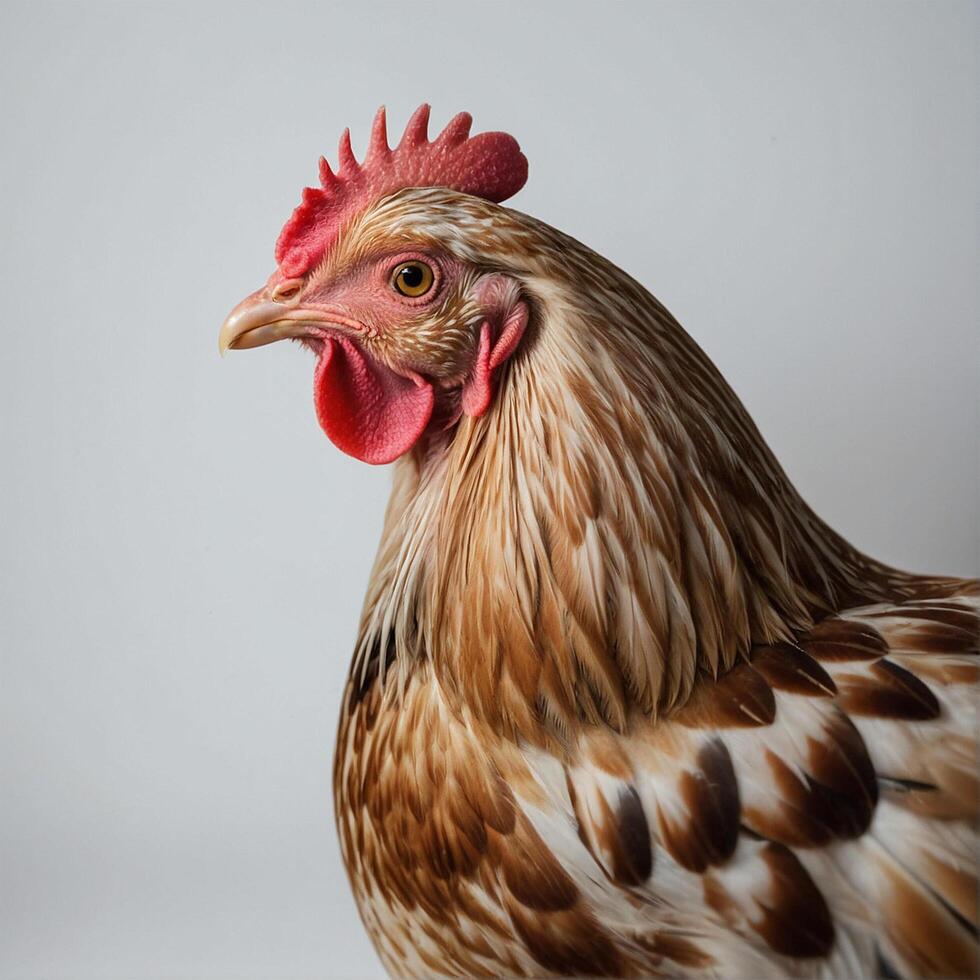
(612, 527)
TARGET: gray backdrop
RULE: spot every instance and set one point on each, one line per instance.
(183, 552)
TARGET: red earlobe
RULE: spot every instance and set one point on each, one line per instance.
(478, 389)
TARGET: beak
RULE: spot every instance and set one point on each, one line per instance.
(258, 320)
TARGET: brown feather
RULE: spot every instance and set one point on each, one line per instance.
(787, 668)
(709, 831)
(887, 691)
(741, 698)
(920, 929)
(840, 639)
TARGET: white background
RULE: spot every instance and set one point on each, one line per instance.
(182, 552)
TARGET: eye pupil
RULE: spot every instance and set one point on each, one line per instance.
(413, 279)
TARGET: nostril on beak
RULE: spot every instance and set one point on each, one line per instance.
(285, 291)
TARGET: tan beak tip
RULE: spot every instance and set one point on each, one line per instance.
(256, 322)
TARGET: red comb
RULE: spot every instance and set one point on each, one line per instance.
(489, 165)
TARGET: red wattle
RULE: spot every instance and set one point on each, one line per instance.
(366, 409)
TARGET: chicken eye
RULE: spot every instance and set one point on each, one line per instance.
(412, 278)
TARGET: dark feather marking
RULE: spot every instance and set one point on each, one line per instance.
(709, 834)
(841, 763)
(955, 617)
(885, 969)
(835, 798)
(791, 914)
(799, 922)
(891, 692)
(791, 669)
(839, 639)
(363, 677)
(900, 784)
(568, 943)
(623, 834)
(958, 916)
(533, 875)
(740, 699)
(633, 859)
(929, 637)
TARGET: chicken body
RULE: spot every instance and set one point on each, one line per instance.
(621, 704)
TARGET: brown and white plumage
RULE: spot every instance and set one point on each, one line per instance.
(621, 704)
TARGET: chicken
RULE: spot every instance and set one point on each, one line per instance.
(621, 703)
